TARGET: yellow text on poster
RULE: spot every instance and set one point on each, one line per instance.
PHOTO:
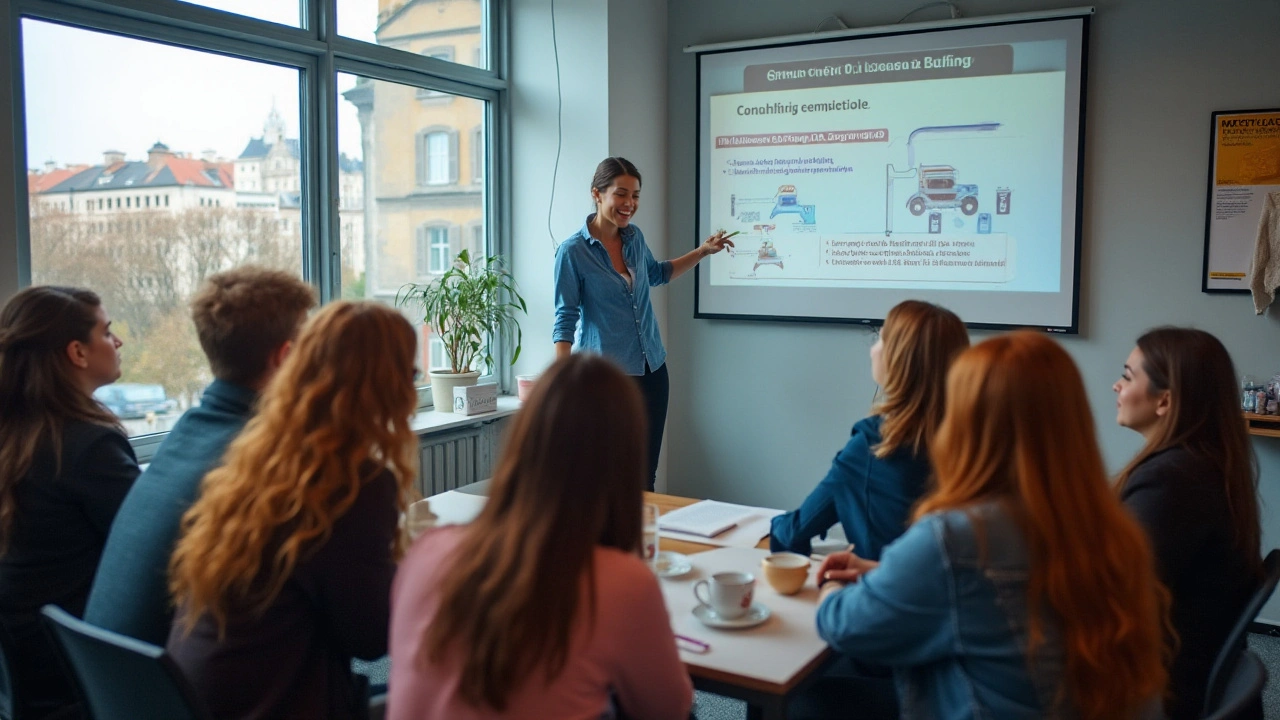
(1248, 149)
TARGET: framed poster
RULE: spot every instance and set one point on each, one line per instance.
(1244, 166)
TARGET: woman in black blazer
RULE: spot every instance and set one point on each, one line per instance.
(65, 467)
(1194, 487)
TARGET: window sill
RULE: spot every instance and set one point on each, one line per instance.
(428, 422)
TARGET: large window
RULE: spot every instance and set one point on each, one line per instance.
(146, 259)
(415, 201)
(189, 149)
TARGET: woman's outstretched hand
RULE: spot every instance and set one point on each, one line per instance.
(716, 243)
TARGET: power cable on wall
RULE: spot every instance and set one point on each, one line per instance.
(955, 11)
(555, 169)
(833, 16)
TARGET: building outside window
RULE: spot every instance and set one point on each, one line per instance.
(233, 147)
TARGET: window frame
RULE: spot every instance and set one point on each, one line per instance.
(319, 54)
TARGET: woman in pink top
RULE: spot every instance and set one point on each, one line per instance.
(542, 607)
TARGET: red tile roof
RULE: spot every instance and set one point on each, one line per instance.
(38, 182)
(188, 171)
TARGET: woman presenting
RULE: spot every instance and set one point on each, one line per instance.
(603, 275)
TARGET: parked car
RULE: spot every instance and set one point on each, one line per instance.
(135, 400)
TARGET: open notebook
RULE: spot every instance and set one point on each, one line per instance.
(706, 518)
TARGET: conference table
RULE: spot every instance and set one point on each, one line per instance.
(764, 666)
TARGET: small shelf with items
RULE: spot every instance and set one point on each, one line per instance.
(1263, 425)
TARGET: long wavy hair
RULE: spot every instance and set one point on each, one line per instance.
(920, 342)
(38, 391)
(331, 419)
(571, 480)
(1203, 418)
(1092, 572)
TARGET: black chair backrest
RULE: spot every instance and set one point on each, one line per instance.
(1232, 649)
(9, 700)
(122, 678)
(1242, 691)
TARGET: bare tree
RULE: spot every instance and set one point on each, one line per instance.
(146, 265)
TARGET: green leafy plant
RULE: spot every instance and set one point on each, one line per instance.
(469, 306)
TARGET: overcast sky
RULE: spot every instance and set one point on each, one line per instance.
(88, 92)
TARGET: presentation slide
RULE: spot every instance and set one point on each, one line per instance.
(937, 165)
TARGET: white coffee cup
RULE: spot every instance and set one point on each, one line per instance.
(728, 593)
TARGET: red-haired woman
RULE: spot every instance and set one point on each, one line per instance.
(1193, 487)
(284, 569)
(884, 467)
(542, 607)
(1023, 589)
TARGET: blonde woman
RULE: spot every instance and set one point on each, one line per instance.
(884, 467)
(283, 572)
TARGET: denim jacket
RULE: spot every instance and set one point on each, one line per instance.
(617, 320)
(870, 497)
(947, 609)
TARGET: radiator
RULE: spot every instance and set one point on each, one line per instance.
(456, 458)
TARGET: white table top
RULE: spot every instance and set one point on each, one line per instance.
(772, 657)
(455, 508)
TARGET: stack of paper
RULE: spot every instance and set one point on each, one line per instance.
(707, 518)
(731, 525)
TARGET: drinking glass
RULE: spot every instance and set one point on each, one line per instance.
(649, 538)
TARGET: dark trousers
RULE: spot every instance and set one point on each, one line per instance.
(847, 689)
(655, 386)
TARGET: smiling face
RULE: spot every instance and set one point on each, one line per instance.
(96, 361)
(618, 203)
(1138, 407)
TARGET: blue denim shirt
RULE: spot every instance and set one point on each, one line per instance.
(947, 610)
(870, 496)
(617, 321)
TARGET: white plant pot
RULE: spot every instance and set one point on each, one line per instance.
(443, 383)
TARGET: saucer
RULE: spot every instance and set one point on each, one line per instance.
(756, 614)
(672, 564)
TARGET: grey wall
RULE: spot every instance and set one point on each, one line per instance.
(759, 409)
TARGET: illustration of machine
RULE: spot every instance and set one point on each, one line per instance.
(767, 255)
(936, 184)
(938, 190)
(786, 202)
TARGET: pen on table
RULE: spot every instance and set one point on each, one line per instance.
(702, 647)
(820, 558)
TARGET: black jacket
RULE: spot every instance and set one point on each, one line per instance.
(1180, 498)
(64, 512)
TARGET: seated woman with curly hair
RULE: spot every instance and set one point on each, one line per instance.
(284, 569)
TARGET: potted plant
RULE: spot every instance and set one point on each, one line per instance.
(469, 306)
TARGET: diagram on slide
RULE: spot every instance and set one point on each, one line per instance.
(937, 188)
(904, 203)
(766, 255)
(786, 202)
